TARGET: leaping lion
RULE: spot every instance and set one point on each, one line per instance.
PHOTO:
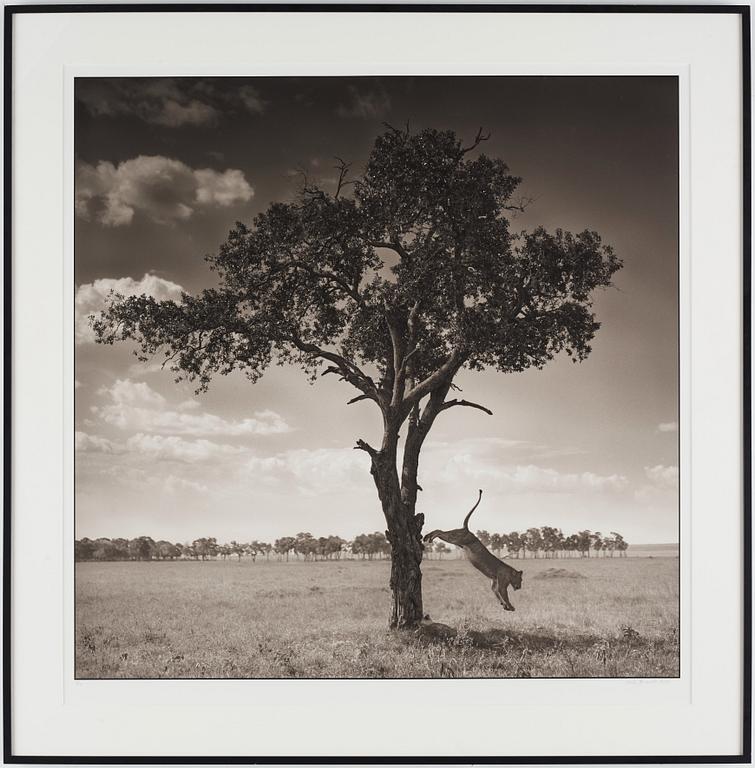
(502, 574)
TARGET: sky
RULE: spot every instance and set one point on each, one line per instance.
(164, 167)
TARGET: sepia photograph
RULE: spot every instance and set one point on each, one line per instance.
(376, 377)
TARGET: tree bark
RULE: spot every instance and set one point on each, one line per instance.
(404, 534)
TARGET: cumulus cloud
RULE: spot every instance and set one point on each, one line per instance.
(313, 471)
(170, 102)
(86, 443)
(365, 104)
(91, 297)
(529, 477)
(663, 476)
(310, 471)
(174, 448)
(160, 188)
(135, 406)
(668, 426)
(136, 477)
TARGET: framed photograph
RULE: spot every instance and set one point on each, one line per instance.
(377, 384)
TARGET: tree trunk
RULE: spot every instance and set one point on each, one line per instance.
(404, 533)
(406, 574)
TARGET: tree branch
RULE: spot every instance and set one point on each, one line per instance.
(442, 376)
(350, 290)
(358, 398)
(393, 245)
(349, 371)
(363, 446)
(343, 170)
(478, 140)
(466, 403)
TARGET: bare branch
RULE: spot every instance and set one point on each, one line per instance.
(343, 170)
(520, 206)
(466, 403)
(478, 140)
(363, 446)
(358, 398)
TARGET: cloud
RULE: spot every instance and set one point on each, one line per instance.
(668, 426)
(173, 448)
(315, 471)
(311, 471)
(135, 406)
(86, 443)
(170, 102)
(91, 297)
(528, 477)
(221, 189)
(365, 104)
(134, 477)
(251, 99)
(662, 476)
(162, 189)
(175, 114)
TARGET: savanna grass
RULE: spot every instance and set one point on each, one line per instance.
(328, 619)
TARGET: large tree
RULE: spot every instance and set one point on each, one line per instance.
(393, 282)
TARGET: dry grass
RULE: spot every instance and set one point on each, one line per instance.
(231, 619)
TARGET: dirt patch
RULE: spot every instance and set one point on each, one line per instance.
(559, 573)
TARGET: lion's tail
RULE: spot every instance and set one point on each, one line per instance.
(466, 519)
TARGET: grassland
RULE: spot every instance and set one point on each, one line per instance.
(591, 618)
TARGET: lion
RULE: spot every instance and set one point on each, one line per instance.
(501, 574)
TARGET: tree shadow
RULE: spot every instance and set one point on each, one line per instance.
(495, 638)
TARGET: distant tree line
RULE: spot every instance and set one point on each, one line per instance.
(302, 546)
(534, 542)
(550, 542)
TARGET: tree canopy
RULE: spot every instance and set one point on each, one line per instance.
(394, 281)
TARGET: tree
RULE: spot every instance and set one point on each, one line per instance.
(84, 549)
(620, 545)
(584, 542)
(395, 281)
(166, 550)
(284, 545)
(234, 548)
(552, 539)
(306, 544)
(484, 537)
(533, 541)
(441, 549)
(516, 543)
(572, 544)
(205, 547)
(142, 548)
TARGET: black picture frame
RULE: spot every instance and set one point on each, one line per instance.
(13, 11)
